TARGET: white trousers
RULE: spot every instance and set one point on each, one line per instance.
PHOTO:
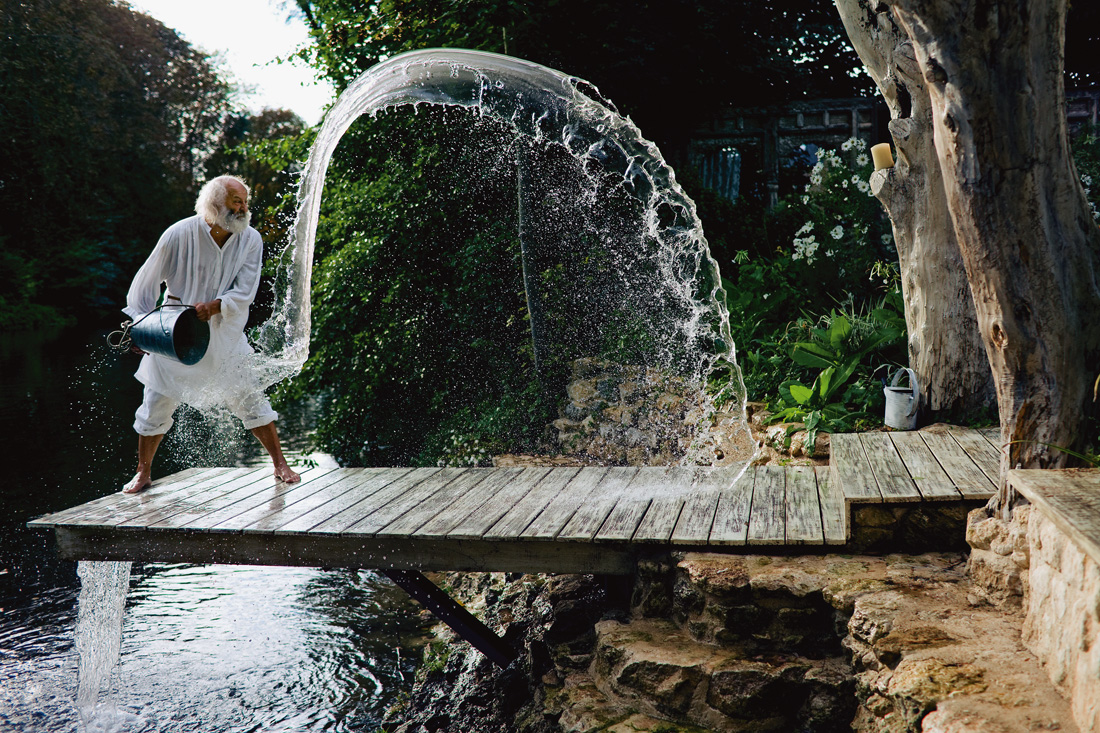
(154, 417)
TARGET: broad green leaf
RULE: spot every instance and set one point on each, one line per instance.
(812, 355)
(801, 393)
(839, 330)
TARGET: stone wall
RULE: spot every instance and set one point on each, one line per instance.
(1063, 599)
(1029, 563)
(709, 642)
(631, 415)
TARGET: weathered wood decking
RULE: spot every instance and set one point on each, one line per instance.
(557, 520)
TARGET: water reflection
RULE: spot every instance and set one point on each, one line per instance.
(205, 648)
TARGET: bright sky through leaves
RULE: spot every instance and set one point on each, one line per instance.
(249, 35)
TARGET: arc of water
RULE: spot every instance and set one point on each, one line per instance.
(538, 101)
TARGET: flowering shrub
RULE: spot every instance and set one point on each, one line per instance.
(844, 224)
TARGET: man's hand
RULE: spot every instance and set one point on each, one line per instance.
(208, 310)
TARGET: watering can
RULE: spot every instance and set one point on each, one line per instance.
(174, 331)
(902, 402)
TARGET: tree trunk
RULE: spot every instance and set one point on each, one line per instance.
(945, 348)
(993, 71)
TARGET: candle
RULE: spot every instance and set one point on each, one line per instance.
(881, 155)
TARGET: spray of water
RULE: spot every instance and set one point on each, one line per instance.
(99, 637)
(555, 109)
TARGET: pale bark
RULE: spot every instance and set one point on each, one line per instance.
(1030, 246)
(945, 348)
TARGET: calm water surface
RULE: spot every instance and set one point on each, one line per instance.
(204, 648)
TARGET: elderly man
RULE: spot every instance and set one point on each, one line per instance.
(212, 261)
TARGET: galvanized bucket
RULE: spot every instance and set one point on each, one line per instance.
(902, 402)
(174, 331)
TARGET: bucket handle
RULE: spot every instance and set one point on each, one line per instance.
(120, 340)
(915, 401)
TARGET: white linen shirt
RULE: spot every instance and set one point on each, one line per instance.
(197, 270)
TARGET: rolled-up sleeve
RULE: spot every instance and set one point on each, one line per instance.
(242, 289)
(160, 266)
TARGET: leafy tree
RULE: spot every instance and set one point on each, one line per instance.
(669, 65)
(106, 116)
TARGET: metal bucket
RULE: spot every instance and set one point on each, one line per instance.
(902, 402)
(174, 331)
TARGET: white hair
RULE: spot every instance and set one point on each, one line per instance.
(211, 201)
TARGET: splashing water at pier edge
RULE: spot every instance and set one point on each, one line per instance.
(658, 278)
(103, 590)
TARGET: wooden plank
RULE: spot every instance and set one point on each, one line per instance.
(668, 502)
(292, 503)
(697, 517)
(193, 509)
(513, 516)
(931, 480)
(964, 473)
(768, 514)
(851, 472)
(302, 501)
(993, 435)
(590, 515)
(144, 514)
(350, 501)
(1069, 497)
(834, 512)
(477, 511)
(561, 508)
(397, 503)
(803, 520)
(336, 551)
(893, 478)
(731, 518)
(273, 497)
(984, 455)
(648, 484)
(423, 511)
(104, 506)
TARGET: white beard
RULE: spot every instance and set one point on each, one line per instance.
(234, 223)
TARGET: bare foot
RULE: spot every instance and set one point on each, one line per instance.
(286, 473)
(137, 483)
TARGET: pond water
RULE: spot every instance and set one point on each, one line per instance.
(204, 648)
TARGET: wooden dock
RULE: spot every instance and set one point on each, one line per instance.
(552, 520)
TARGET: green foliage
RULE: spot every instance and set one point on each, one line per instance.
(841, 352)
(420, 336)
(106, 116)
(704, 54)
(788, 267)
(1086, 158)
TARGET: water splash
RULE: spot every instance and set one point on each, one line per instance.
(555, 109)
(99, 638)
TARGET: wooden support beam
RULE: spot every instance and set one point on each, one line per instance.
(450, 612)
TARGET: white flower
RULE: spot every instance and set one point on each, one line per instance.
(856, 180)
(844, 184)
(863, 186)
(815, 179)
(806, 229)
(1087, 180)
(806, 199)
(837, 232)
(828, 253)
(862, 159)
(818, 167)
(860, 143)
(887, 239)
(766, 295)
(848, 144)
